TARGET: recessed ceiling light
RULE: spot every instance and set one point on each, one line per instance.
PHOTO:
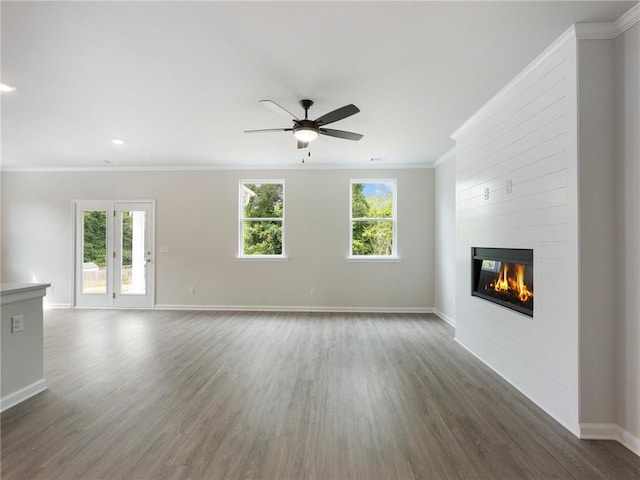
(117, 141)
(6, 88)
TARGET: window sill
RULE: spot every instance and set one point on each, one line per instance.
(373, 258)
(262, 258)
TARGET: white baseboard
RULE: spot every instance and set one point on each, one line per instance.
(598, 431)
(21, 395)
(295, 308)
(610, 431)
(53, 306)
(450, 320)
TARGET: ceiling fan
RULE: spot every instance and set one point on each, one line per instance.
(306, 130)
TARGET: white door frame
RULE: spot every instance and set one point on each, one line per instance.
(112, 298)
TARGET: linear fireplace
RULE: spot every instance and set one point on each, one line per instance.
(504, 276)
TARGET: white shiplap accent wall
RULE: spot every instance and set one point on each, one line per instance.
(527, 135)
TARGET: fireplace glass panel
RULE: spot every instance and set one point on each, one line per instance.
(505, 277)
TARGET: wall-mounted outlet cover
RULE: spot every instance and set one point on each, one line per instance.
(17, 323)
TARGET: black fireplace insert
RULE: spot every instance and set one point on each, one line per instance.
(504, 276)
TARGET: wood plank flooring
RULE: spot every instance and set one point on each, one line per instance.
(213, 395)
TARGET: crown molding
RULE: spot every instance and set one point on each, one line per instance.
(629, 19)
(404, 166)
(451, 153)
(608, 30)
(596, 31)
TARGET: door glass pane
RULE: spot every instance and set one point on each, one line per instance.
(94, 252)
(133, 278)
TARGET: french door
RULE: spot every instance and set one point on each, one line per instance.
(114, 254)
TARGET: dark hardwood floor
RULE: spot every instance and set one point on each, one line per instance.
(202, 395)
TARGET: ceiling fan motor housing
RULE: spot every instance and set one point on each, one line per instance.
(304, 125)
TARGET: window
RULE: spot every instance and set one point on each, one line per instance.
(262, 218)
(373, 219)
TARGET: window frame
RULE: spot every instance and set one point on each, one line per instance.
(242, 219)
(393, 257)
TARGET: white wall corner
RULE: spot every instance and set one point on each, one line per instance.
(610, 431)
(450, 320)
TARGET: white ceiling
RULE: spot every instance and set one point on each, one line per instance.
(179, 82)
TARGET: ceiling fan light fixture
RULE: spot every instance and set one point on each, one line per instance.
(305, 134)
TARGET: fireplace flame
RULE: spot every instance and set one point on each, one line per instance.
(506, 284)
(502, 283)
(523, 292)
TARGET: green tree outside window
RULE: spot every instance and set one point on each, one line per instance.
(262, 218)
(372, 218)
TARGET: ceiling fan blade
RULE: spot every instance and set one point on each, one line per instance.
(330, 132)
(338, 114)
(278, 108)
(302, 145)
(269, 130)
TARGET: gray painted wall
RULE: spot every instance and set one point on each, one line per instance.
(197, 216)
(627, 128)
(445, 239)
(597, 230)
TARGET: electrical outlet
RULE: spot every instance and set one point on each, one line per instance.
(192, 290)
(486, 193)
(17, 323)
(312, 291)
